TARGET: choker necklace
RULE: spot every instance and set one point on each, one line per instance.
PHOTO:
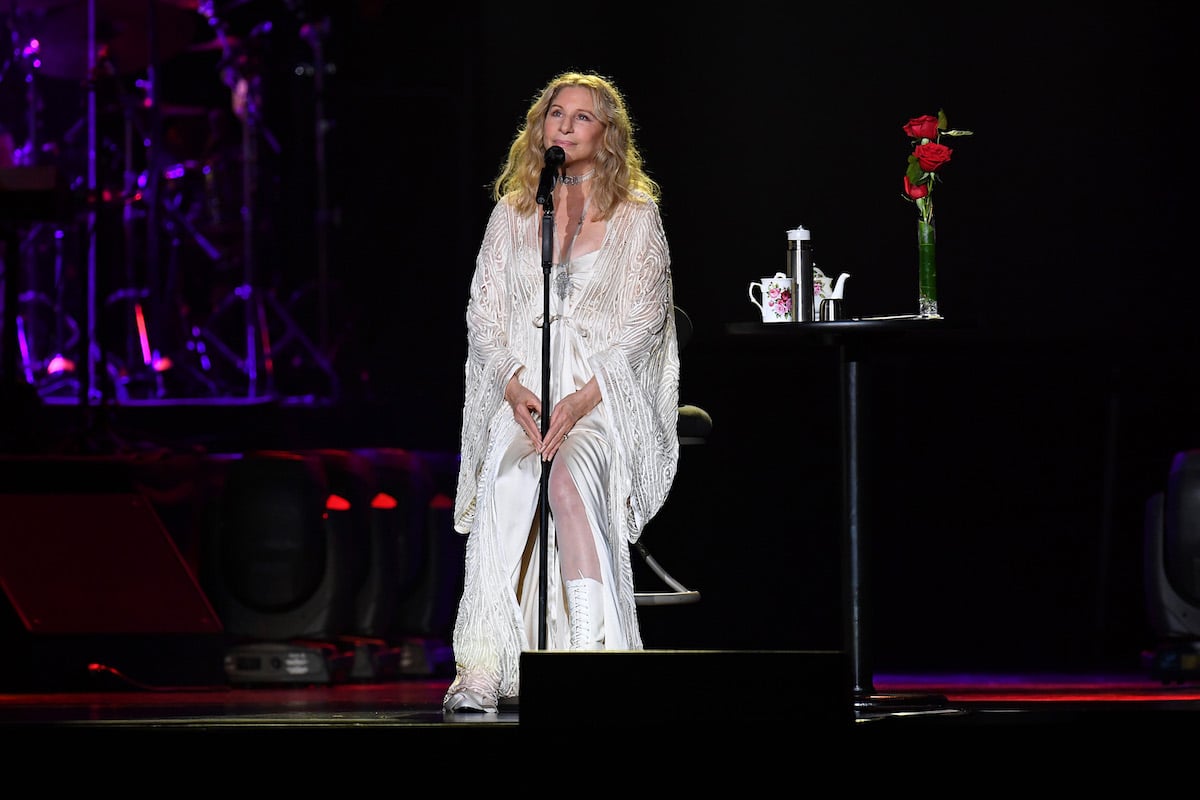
(575, 180)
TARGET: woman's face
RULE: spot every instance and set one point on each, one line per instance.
(572, 124)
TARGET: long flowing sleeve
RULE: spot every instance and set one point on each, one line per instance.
(638, 371)
(491, 361)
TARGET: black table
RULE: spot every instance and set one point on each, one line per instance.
(853, 340)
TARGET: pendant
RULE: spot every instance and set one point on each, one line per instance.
(562, 282)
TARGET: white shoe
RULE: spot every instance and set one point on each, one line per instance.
(472, 691)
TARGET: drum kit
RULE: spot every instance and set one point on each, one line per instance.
(132, 295)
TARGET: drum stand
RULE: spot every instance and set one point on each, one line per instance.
(256, 360)
(314, 34)
(46, 332)
(155, 347)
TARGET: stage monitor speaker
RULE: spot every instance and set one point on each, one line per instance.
(686, 690)
(278, 562)
(96, 579)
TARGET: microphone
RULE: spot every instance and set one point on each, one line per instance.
(555, 156)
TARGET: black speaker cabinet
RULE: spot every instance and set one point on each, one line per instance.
(277, 562)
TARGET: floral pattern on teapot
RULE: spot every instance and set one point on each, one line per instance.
(826, 288)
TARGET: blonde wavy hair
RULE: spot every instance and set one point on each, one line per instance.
(619, 172)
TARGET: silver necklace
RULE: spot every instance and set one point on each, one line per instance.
(563, 284)
(575, 180)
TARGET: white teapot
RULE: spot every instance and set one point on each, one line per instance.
(826, 288)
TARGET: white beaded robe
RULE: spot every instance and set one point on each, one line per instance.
(618, 325)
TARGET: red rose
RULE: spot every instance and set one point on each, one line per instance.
(925, 127)
(913, 190)
(932, 155)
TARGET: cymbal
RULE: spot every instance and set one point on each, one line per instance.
(123, 33)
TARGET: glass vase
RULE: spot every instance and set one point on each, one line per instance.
(927, 297)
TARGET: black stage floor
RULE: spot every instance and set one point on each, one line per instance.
(945, 735)
(901, 704)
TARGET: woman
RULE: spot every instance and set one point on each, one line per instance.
(611, 444)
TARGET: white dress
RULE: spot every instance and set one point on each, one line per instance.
(617, 325)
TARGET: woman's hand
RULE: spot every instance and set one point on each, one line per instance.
(525, 404)
(567, 412)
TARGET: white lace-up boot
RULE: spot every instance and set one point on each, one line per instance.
(585, 606)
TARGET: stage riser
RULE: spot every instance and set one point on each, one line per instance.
(685, 689)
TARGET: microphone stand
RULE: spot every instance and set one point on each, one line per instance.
(544, 507)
